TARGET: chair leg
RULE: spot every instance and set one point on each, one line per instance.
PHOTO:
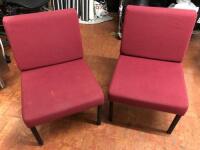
(111, 111)
(37, 136)
(99, 110)
(173, 124)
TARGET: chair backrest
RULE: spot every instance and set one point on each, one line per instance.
(42, 39)
(157, 33)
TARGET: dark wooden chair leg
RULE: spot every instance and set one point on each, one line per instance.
(111, 111)
(37, 136)
(173, 124)
(99, 110)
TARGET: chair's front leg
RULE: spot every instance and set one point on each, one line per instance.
(110, 111)
(37, 136)
(173, 124)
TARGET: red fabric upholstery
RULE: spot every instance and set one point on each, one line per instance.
(58, 42)
(149, 83)
(56, 91)
(55, 80)
(158, 33)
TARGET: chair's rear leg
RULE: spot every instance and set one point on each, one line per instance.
(37, 136)
(110, 111)
(99, 111)
(173, 124)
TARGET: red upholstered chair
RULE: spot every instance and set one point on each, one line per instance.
(149, 72)
(56, 82)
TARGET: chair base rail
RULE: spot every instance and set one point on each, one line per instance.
(39, 139)
(110, 116)
(169, 131)
(99, 114)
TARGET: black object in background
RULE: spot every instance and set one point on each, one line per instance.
(197, 25)
(31, 4)
(113, 5)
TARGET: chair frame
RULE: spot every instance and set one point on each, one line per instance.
(169, 130)
(39, 138)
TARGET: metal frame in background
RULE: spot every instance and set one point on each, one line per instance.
(82, 7)
(2, 83)
(120, 21)
(64, 4)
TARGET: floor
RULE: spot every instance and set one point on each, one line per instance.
(132, 129)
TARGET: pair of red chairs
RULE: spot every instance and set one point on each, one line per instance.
(56, 82)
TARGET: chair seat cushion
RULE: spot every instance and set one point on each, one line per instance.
(56, 91)
(149, 83)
